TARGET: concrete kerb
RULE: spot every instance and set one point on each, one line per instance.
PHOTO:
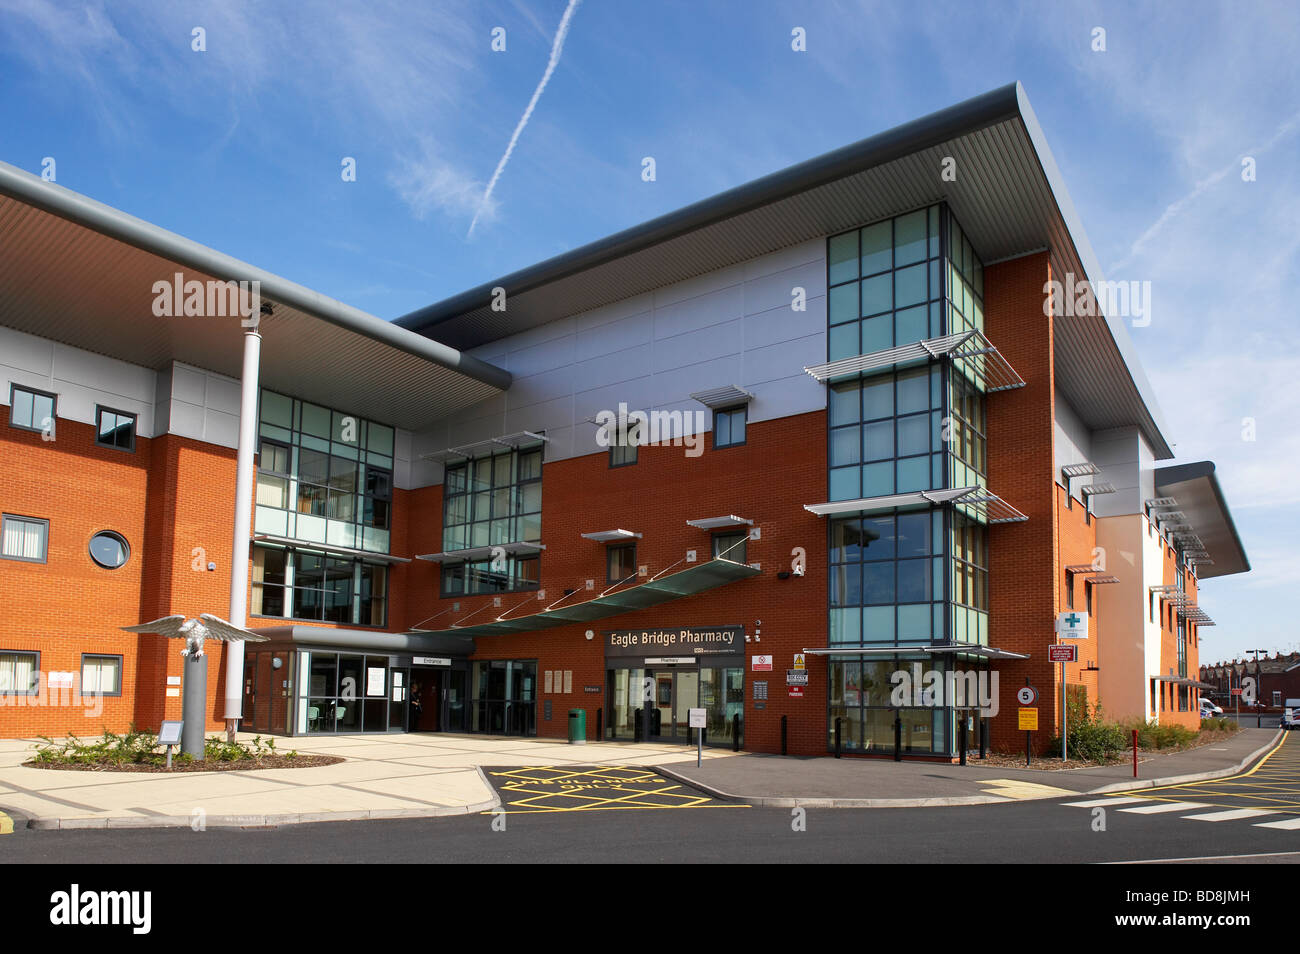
(265, 821)
(763, 801)
(1134, 784)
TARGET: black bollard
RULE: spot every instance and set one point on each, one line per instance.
(600, 723)
(898, 737)
(984, 738)
(838, 735)
(783, 734)
(961, 738)
(735, 732)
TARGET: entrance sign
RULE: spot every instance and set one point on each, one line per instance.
(698, 720)
(1028, 720)
(1063, 652)
(1026, 695)
(1072, 625)
(684, 640)
(430, 661)
(762, 664)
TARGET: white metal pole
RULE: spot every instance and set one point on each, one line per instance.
(243, 522)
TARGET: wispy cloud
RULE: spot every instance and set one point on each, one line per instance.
(557, 48)
(1174, 208)
(428, 182)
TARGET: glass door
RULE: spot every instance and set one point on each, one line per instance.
(399, 691)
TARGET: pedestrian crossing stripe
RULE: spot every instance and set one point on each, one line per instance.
(1232, 814)
(1160, 808)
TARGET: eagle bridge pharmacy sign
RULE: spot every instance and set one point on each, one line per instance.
(683, 641)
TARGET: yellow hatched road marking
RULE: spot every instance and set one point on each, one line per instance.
(588, 787)
(6, 824)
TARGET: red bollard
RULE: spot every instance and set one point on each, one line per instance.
(1135, 753)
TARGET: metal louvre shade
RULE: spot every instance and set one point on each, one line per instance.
(988, 652)
(298, 544)
(688, 582)
(888, 502)
(728, 396)
(518, 439)
(479, 553)
(981, 359)
(1085, 469)
(714, 523)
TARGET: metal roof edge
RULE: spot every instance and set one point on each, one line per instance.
(968, 116)
(106, 220)
(1092, 268)
(1178, 473)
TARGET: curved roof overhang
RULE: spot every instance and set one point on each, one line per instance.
(1201, 500)
(82, 273)
(1008, 196)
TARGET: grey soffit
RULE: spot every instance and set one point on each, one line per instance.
(1201, 500)
(366, 639)
(81, 273)
(688, 582)
(1008, 196)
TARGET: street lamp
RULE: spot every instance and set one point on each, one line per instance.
(1259, 689)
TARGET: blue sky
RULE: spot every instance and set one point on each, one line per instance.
(239, 147)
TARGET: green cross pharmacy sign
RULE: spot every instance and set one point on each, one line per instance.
(1072, 625)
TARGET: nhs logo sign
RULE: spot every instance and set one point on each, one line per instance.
(1072, 625)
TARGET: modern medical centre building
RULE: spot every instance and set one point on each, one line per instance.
(755, 456)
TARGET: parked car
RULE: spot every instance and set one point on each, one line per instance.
(1291, 715)
(1209, 710)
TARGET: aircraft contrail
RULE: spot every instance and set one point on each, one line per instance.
(557, 47)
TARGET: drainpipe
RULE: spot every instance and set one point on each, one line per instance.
(243, 513)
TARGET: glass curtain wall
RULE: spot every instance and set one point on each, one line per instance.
(906, 576)
(323, 476)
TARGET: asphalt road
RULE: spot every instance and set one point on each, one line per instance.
(635, 816)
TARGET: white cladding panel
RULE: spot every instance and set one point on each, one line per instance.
(1073, 445)
(81, 379)
(735, 326)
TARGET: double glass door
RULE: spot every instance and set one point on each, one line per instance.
(653, 704)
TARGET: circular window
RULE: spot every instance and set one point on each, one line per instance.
(109, 549)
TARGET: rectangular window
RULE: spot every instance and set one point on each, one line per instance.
(114, 428)
(620, 562)
(491, 501)
(323, 476)
(20, 673)
(307, 584)
(24, 538)
(32, 410)
(729, 427)
(1069, 590)
(623, 451)
(731, 546)
(101, 675)
(1087, 597)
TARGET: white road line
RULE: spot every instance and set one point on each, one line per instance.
(1291, 824)
(1161, 807)
(1104, 801)
(1230, 815)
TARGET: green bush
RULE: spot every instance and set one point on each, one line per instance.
(1091, 738)
(140, 748)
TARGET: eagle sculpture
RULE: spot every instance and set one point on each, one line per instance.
(195, 631)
